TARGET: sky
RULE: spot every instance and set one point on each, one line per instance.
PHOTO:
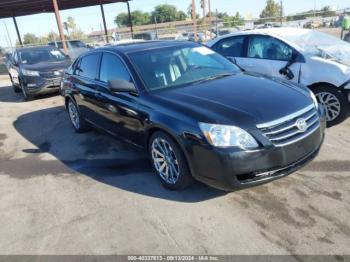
(89, 18)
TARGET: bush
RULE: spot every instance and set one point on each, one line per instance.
(3, 69)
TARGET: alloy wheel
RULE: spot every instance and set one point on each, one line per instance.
(165, 161)
(73, 114)
(331, 103)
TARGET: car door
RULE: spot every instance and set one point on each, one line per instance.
(268, 55)
(119, 111)
(84, 85)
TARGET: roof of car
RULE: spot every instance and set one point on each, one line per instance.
(145, 45)
(42, 47)
(278, 32)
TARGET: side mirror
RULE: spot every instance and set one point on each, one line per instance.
(121, 86)
(287, 73)
(232, 59)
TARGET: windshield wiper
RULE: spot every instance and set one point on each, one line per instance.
(211, 78)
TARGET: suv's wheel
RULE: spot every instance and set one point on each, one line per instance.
(79, 124)
(334, 102)
(16, 89)
(169, 162)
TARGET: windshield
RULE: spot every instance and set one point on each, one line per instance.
(77, 44)
(170, 67)
(318, 43)
(31, 57)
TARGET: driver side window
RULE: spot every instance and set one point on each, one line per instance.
(265, 47)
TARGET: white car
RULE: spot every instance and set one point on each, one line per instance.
(308, 57)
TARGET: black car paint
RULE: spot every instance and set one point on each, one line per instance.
(243, 99)
(47, 82)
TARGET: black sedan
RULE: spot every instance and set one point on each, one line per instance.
(36, 70)
(196, 113)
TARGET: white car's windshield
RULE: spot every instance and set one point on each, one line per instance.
(316, 43)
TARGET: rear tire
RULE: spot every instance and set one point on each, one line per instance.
(334, 102)
(79, 124)
(169, 162)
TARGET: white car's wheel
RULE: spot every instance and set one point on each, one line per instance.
(334, 103)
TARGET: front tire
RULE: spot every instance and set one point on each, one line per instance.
(334, 103)
(27, 97)
(16, 89)
(169, 162)
(79, 124)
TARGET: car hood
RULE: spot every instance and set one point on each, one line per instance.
(337, 53)
(243, 99)
(48, 66)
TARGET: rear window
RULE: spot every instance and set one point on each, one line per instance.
(77, 44)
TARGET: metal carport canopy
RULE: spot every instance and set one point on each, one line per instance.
(10, 8)
(13, 8)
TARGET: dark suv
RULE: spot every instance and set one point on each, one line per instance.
(35, 70)
(197, 114)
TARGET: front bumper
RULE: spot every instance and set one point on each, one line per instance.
(39, 85)
(233, 168)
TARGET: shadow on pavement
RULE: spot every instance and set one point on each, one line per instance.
(7, 95)
(93, 154)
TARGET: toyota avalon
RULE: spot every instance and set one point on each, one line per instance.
(198, 115)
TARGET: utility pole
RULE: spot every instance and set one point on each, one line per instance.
(204, 26)
(8, 35)
(281, 12)
(194, 19)
(216, 22)
(210, 24)
(155, 26)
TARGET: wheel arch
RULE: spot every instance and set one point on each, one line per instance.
(314, 86)
(155, 129)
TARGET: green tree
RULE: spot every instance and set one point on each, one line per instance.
(137, 17)
(327, 11)
(272, 10)
(165, 13)
(181, 15)
(29, 39)
(230, 21)
(122, 19)
(189, 12)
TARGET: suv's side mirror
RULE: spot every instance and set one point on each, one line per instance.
(118, 85)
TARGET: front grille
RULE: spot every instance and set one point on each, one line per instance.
(52, 74)
(292, 128)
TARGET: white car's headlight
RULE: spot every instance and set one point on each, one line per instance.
(228, 136)
(314, 99)
(30, 72)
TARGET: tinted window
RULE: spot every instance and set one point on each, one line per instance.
(269, 48)
(232, 46)
(112, 68)
(181, 65)
(89, 65)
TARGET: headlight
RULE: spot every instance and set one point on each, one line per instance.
(228, 136)
(30, 72)
(314, 99)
